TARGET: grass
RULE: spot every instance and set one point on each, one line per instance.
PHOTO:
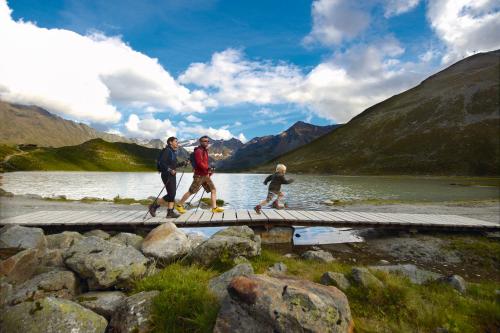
(208, 201)
(186, 305)
(488, 250)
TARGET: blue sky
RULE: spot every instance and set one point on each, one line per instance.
(232, 68)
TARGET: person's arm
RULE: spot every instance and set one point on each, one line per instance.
(268, 179)
(182, 164)
(286, 181)
(170, 162)
(201, 163)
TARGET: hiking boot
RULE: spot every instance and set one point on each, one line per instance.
(180, 208)
(258, 209)
(152, 209)
(217, 210)
(171, 214)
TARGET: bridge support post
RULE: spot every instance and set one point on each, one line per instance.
(275, 235)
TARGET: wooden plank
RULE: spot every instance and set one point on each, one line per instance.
(104, 216)
(372, 217)
(135, 218)
(354, 217)
(91, 215)
(360, 217)
(299, 216)
(242, 215)
(217, 217)
(229, 216)
(39, 219)
(184, 217)
(193, 219)
(206, 217)
(333, 216)
(256, 217)
(55, 218)
(286, 215)
(272, 215)
(317, 216)
(23, 217)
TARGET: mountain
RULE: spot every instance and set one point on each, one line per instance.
(33, 125)
(262, 149)
(219, 149)
(93, 155)
(447, 125)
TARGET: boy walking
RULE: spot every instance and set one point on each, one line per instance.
(274, 190)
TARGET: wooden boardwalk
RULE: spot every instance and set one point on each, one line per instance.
(123, 219)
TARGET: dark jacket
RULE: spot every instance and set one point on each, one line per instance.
(168, 160)
(276, 179)
(201, 158)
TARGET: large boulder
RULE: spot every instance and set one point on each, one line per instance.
(63, 240)
(105, 264)
(318, 255)
(335, 279)
(104, 303)
(60, 284)
(21, 266)
(98, 233)
(16, 236)
(412, 272)
(363, 277)
(456, 281)
(6, 290)
(166, 243)
(50, 315)
(218, 285)
(230, 243)
(261, 303)
(195, 239)
(126, 238)
(134, 314)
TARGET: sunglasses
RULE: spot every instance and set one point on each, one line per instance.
(205, 141)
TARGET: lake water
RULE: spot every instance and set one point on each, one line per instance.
(245, 190)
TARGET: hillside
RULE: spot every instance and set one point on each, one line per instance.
(33, 125)
(93, 155)
(262, 149)
(447, 125)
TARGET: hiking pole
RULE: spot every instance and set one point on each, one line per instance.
(199, 202)
(182, 175)
(154, 202)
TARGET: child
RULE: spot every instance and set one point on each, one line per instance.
(276, 179)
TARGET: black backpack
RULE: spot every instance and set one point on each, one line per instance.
(159, 162)
(192, 160)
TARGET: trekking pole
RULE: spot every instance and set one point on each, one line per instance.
(199, 202)
(182, 175)
(154, 202)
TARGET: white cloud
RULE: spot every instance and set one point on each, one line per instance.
(242, 138)
(214, 133)
(84, 77)
(149, 128)
(335, 21)
(397, 7)
(193, 119)
(465, 26)
(237, 123)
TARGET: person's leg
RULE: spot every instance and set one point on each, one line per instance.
(195, 186)
(265, 202)
(170, 197)
(153, 207)
(209, 186)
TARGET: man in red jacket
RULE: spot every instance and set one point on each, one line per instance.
(202, 173)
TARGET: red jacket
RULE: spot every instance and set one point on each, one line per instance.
(201, 158)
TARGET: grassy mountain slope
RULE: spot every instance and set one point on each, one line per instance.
(33, 125)
(93, 155)
(447, 125)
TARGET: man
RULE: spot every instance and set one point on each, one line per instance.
(167, 163)
(202, 173)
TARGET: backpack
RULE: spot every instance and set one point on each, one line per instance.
(192, 160)
(159, 165)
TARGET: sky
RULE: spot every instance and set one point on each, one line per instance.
(155, 68)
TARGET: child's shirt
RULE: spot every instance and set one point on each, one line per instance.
(276, 179)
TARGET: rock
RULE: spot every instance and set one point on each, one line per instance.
(104, 303)
(105, 264)
(63, 240)
(4, 193)
(415, 274)
(241, 260)
(318, 255)
(52, 258)
(364, 278)
(457, 282)
(229, 243)
(15, 236)
(60, 284)
(290, 255)
(195, 239)
(21, 266)
(6, 290)
(51, 315)
(134, 314)
(277, 269)
(383, 262)
(261, 303)
(98, 233)
(276, 235)
(218, 285)
(166, 243)
(335, 279)
(126, 238)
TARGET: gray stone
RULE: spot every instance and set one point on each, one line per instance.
(134, 314)
(105, 264)
(261, 303)
(318, 255)
(50, 315)
(229, 243)
(166, 243)
(363, 277)
(290, 256)
(195, 239)
(63, 240)
(15, 236)
(6, 290)
(335, 279)
(21, 266)
(457, 282)
(383, 262)
(98, 233)
(415, 274)
(104, 303)
(60, 284)
(129, 239)
(276, 235)
(277, 269)
(218, 285)
(52, 258)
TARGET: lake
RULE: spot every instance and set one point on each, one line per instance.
(246, 190)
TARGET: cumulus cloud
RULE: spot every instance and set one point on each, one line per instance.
(335, 21)
(242, 138)
(397, 7)
(193, 119)
(149, 128)
(84, 77)
(465, 26)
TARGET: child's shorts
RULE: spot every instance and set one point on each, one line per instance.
(271, 196)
